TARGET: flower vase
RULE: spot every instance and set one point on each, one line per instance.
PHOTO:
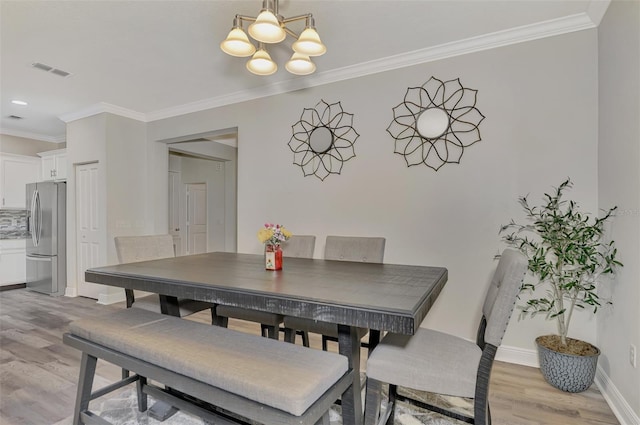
(272, 257)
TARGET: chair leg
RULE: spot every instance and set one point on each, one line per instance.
(85, 383)
(305, 338)
(272, 331)
(214, 316)
(289, 335)
(221, 321)
(393, 393)
(372, 401)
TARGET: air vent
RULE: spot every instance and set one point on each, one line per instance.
(47, 68)
(15, 117)
(60, 72)
(42, 66)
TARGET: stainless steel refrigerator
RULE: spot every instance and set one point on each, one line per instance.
(46, 245)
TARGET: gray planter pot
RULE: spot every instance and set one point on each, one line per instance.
(567, 372)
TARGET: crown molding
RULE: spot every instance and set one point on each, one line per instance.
(521, 34)
(100, 108)
(34, 136)
(597, 9)
(550, 28)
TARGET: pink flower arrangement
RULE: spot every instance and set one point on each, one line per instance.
(273, 234)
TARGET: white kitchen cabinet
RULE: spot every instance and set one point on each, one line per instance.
(13, 261)
(15, 172)
(54, 164)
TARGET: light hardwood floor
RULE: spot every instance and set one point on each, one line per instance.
(38, 373)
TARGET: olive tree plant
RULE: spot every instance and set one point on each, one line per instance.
(566, 253)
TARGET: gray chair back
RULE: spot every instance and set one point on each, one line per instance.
(501, 296)
(299, 246)
(131, 249)
(352, 248)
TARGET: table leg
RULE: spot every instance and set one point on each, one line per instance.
(169, 305)
(349, 345)
(160, 410)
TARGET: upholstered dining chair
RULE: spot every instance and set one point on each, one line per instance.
(338, 248)
(131, 249)
(437, 362)
(298, 246)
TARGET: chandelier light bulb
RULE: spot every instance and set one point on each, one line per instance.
(300, 64)
(237, 44)
(309, 43)
(267, 28)
(261, 63)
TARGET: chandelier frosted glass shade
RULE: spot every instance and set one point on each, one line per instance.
(300, 64)
(309, 43)
(237, 44)
(267, 28)
(261, 63)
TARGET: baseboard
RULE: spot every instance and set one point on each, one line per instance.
(70, 292)
(619, 406)
(111, 298)
(615, 400)
(10, 286)
(519, 356)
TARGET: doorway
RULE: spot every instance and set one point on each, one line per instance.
(209, 158)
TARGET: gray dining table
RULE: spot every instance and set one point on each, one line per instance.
(379, 297)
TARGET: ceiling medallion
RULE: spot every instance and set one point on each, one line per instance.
(435, 122)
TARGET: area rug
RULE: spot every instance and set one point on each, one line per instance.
(121, 409)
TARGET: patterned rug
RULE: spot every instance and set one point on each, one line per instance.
(121, 409)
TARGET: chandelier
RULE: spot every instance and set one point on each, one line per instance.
(270, 28)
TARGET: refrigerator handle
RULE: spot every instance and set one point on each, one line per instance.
(39, 210)
(32, 223)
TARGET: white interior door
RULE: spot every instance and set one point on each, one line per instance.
(174, 211)
(196, 218)
(88, 231)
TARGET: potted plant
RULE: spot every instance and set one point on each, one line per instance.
(567, 255)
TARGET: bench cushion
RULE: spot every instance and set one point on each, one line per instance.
(281, 375)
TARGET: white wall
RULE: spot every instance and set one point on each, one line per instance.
(86, 142)
(119, 145)
(619, 184)
(25, 146)
(540, 100)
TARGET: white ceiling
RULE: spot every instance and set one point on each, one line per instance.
(153, 59)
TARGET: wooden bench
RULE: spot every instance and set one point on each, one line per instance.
(210, 370)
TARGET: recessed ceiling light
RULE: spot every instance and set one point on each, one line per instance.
(19, 102)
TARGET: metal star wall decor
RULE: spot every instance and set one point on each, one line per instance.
(435, 123)
(323, 139)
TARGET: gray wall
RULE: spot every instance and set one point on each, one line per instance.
(619, 184)
(540, 100)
